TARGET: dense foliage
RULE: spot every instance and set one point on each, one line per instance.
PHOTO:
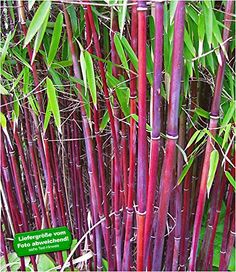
(118, 121)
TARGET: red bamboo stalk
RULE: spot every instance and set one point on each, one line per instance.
(203, 258)
(4, 250)
(100, 159)
(209, 255)
(186, 190)
(114, 138)
(212, 127)
(172, 133)
(132, 143)
(178, 192)
(35, 168)
(156, 123)
(92, 169)
(231, 242)
(142, 134)
(226, 228)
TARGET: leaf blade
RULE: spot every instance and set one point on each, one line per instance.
(56, 36)
(37, 21)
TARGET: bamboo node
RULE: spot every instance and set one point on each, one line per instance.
(141, 8)
(223, 252)
(141, 213)
(117, 213)
(133, 97)
(215, 117)
(168, 136)
(233, 232)
(156, 138)
(129, 211)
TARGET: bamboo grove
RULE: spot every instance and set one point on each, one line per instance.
(118, 121)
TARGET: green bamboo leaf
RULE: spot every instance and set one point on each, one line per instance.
(5, 48)
(208, 16)
(55, 38)
(30, 4)
(201, 112)
(16, 108)
(57, 79)
(91, 77)
(19, 56)
(166, 17)
(61, 64)
(105, 264)
(123, 95)
(173, 5)
(193, 14)
(11, 8)
(210, 134)
(230, 179)
(3, 124)
(26, 80)
(37, 21)
(3, 120)
(34, 104)
(210, 62)
(229, 114)
(217, 33)
(47, 117)
(96, 21)
(5, 74)
(52, 100)
(185, 170)
(152, 32)
(135, 117)
(130, 52)
(32, 101)
(105, 120)
(83, 69)
(73, 18)
(214, 159)
(3, 90)
(201, 135)
(122, 14)
(183, 153)
(17, 80)
(201, 32)
(120, 51)
(193, 138)
(122, 92)
(39, 37)
(189, 43)
(226, 135)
